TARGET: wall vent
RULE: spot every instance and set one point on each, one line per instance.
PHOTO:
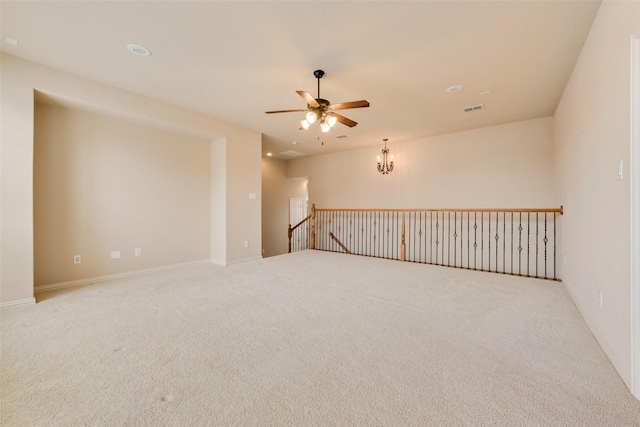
(473, 108)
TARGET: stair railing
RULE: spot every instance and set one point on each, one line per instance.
(519, 242)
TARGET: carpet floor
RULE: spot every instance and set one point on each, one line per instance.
(308, 339)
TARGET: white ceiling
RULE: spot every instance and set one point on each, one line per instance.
(235, 60)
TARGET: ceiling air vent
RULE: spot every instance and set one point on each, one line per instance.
(473, 108)
(291, 153)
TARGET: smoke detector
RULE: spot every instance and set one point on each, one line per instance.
(139, 50)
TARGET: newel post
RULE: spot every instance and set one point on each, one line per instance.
(289, 233)
(402, 245)
(312, 243)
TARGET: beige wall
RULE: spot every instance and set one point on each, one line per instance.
(103, 184)
(218, 201)
(591, 137)
(500, 166)
(277, 189)
(20, 78)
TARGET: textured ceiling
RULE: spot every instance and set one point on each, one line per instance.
(236, 60)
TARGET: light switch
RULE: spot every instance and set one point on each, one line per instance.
(620, 171)
(252, 196)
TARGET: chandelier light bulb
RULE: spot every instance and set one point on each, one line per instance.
(324, 127)
(305, 124)
(311, 117)
(332, 120)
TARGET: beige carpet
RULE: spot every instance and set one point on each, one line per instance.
(308, 339)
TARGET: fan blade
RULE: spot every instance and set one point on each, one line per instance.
(285, 111)
(307, 97)
(352, 104)
(342, 119)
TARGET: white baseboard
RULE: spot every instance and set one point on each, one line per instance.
(604, 345)
(238, 261)
(17, 303)
(98, 279)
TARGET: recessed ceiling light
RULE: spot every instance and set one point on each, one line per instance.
(341, 136)
(12, 42)
(454, 89)
(139, 50)
(294, 142)
(269, 154)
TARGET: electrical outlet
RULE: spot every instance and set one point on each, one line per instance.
(246, 243)
(77, 259)
(138, 252)
(115, 254)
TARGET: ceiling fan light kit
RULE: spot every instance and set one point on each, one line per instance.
(322, 111)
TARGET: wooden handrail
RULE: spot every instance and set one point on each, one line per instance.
(340, 243)
(311, 217)
(300, 223)
(559, 210)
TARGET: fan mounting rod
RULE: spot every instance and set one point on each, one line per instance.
(318, 75)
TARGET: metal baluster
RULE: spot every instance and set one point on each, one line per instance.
(437, 234)
(497, 238)
(504, 242)
(352, 240)
(388, 228)
(537, 257)
(444, 228)
(468, 240)
(489, 238)
(554, 246)
(420, 240)
(461, 239)
(475, 239)
(431, 237)
(413, 235)
(378, 234)
(520, 246)
(511, 270)
(448, 240)
(455, 236)
(528, 241)
(545, 240)
(481, 240)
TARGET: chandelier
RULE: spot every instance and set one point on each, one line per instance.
(384, 166)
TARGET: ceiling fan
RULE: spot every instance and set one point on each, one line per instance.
(322, 111)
